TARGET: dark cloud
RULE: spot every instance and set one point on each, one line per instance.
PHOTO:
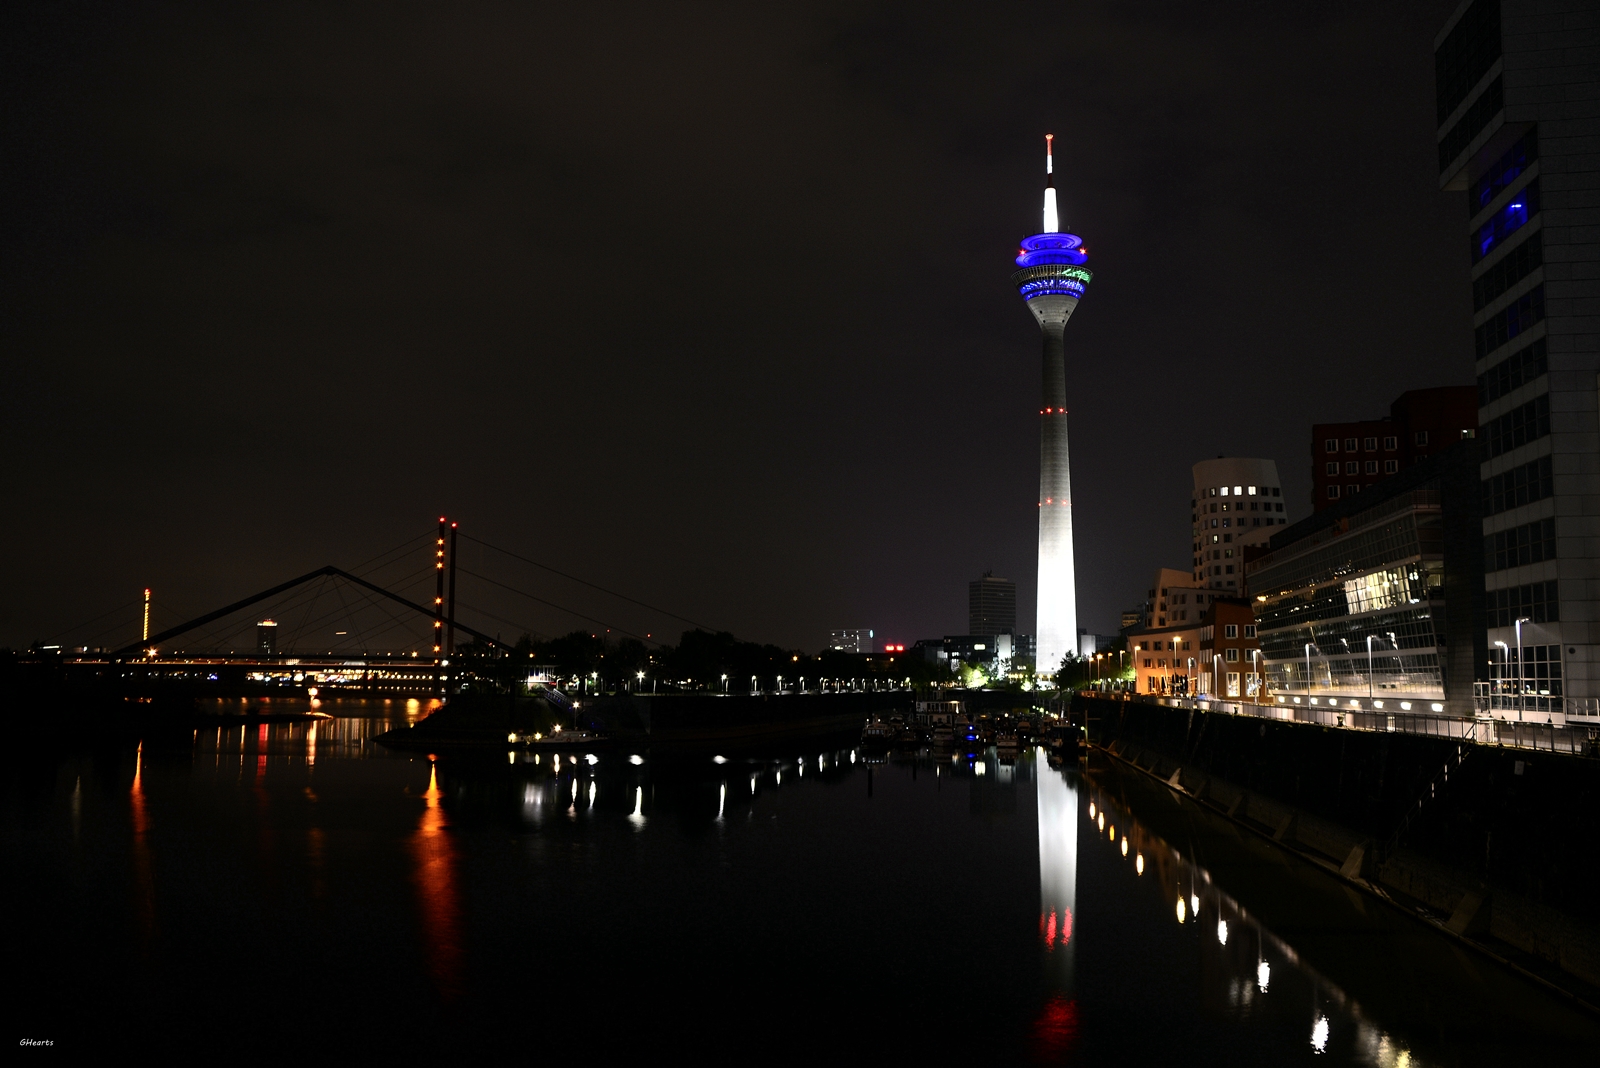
(708, 303)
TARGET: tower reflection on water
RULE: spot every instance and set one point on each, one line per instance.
(1057, 1025)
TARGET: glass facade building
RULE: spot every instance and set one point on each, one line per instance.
(1381, 595)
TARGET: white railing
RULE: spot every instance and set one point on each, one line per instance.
(1552, 736)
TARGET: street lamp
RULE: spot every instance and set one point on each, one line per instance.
(724, 684)
(1520, 685)
(1505, 662)
(1369, 669)
(1308, 669)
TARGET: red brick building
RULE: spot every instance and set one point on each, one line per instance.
(1229, 664)
(1348, 457)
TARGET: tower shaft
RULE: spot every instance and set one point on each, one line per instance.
(1057, 623)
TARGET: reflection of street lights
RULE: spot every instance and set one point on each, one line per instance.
(1521, 686)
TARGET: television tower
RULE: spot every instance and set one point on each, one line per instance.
(1052, 279)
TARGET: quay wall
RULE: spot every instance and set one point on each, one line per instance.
(1508, 846)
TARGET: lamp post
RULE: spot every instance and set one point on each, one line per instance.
(1520, 684)
(1216, 676)
(1308, 669)
(1369, 669)
(724, 684)
(639, 677)
(1505, 662)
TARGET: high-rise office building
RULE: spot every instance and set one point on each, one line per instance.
(1347, 458)
(1237, 503)
(1052, 277)
(991, 605)
(851, 640)
(267, 638)
(1517, 83)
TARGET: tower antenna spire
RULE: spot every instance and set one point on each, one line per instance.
(1052, 219)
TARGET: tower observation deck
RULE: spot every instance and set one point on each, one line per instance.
(1052, 278)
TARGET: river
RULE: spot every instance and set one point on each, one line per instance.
(295, 889)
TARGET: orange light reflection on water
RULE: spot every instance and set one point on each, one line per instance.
(435, 859)
(144, 876)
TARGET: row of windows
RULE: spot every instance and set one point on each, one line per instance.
(1517, 265)
(1353, 467)
(1254, 522)
(1517, 318)
(1520, 367)
(1242, 491)
(1370, 444)
(1521, 485)
(1349, 491)
(1465, 55)
(1538, 662)
(1522, 424)
(1266, 506)
(1507, 221)
(1477, 117)
(1507, 169)
(1530, 543)
(1536, 602)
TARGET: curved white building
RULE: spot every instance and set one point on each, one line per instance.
(1237, 502)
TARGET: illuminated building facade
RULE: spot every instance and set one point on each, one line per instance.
(1379, 598)
(1052, 278)
(1237, 504)
(851, 640)
(1516, 82)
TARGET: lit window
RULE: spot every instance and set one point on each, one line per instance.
(1224, 491)
(1252, 491)
(1238, 491)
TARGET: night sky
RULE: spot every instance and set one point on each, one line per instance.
(708, 304)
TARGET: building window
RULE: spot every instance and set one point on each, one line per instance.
(1331, 468)
(1537, 602)
(1249, 630)
(1349, 444)
(1520, 367)
(1513, 267)
(1372, 467)
(1507, 169)
(1530, 543)
(1331, 445)
(1523, 206)
(1370, 444)
(1518, 486)
(1391, 466)
(1352, 467)
(1230, 568)
(1230, 630)
(1233, 683)
(1333, 493)
(1231, 655)
(1420, 438)
(1279, 508)
(1515, 319)
(1391, 443)
(1147, 661)
(1465, 56)
(1523, 424)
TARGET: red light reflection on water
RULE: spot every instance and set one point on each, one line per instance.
(144, 874)
(1049, 927)
(1055, 1031)
(435, 875)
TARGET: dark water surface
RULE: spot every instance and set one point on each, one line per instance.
(281, 889)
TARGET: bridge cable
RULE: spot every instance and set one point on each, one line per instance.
(560, 608)
(585, 582)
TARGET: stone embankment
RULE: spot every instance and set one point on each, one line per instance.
(1495, 846)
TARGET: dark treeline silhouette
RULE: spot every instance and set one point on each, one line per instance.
(699, 661)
